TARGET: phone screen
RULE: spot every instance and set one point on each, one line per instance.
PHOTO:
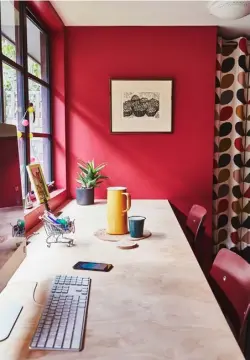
(83, 265)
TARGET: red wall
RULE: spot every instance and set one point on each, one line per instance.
(10, 178)
(58, 109)
(175, 166)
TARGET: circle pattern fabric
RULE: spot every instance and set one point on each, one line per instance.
(231, 193)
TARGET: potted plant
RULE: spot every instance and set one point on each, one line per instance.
(89, 178)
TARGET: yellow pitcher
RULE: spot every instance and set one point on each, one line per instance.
(119, 202)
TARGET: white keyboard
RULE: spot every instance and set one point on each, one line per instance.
(62, 323)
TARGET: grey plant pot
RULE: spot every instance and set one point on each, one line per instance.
(85, 196)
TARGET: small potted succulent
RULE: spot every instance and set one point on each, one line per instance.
(89, 178)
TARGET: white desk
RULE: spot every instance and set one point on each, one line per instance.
(154, 304)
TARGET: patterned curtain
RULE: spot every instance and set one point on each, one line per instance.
(231, 195)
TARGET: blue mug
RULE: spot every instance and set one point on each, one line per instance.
(136, 226)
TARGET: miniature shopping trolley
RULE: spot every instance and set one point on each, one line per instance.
(57, 228)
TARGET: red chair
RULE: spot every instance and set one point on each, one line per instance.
(194, 230)
(231, 275)
(199, 241)
(195, 221)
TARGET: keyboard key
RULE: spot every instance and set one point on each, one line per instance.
(66, 344)
(41, 342)
(76, 342)
(50, 342)
(52, 333)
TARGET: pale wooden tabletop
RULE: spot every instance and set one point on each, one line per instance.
(154, 304)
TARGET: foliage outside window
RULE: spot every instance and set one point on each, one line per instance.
(25, 79)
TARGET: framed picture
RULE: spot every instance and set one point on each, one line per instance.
(141, 106)
(38, 182)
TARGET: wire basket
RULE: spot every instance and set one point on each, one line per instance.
(18, 231)
(56, 232)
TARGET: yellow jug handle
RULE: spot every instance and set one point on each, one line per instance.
(128, 202)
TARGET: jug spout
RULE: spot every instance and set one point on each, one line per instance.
(118, 204)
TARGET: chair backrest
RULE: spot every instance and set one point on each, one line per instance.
(195, 220)
(231, 273)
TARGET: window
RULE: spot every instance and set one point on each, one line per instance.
(25, 84)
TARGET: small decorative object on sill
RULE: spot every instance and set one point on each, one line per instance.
(56, 228)
(18, 230)
(28, 202)
(51, 186)
(89, 178)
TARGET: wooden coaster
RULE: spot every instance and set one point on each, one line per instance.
(103, 235)
(126, 244)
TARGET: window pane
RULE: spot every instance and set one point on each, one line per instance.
(10, 30)
(40, 152)
(37, 51)
(33, 67)
(12, 99)
(39, 97)
(21, 150)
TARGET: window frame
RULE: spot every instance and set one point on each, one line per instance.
(24, 14)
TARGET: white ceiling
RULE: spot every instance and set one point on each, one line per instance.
(139, 13)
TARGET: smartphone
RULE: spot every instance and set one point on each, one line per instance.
(85, 265)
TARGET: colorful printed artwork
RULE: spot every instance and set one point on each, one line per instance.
(38, 182)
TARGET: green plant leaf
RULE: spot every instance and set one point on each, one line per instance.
(83, 163)
(83, 168)
(101, 177)
(81, 179)
(90, 167)
(92, 182)
(81, 183)
(100, 167)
